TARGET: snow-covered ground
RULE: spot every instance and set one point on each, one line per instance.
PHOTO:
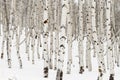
(35, 72)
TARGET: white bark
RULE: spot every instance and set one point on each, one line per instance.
(89, 35)
(45, 39)
(101, 39)
(57, 21)
(97, 20)
(69, 35)
(7, 33)
(109, 41)
(62, 39)
(18, 47)
(51, 25)
(80, 37)
(94, 29)
(33, 45)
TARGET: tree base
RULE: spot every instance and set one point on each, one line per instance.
(111, 77)
(45, 72)
(59, 74)
(81, 70)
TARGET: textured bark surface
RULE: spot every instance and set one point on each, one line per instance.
(53, 25)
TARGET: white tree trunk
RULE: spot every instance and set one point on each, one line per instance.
(80, 37)
(62, 39)
(69, 36)
(45, 39)
(57, 21)
(94, 29)
(89, 35)
(109, 41)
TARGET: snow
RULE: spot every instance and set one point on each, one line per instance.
(35, 71)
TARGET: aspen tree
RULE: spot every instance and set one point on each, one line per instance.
(80, 38)
(51, 51)
(17, 29)
(69, 35)
(89, 35)
(84, 19)
(33, 45)
(51, 16)
(75, 20)
(117, 30)
(96, 40)
(31, 27)
(109, 41)
(74, 15)
(7, 33)
(18, 47)
(39, 25)
(108, 61)
(27, 43)
(38, 46)
(55, 4)
(45, 39)
(62, 40)
(117, 52)
(113, 39)
(21, 15)
(94, 29)
(33, 31)
(3, 29)
(57, 21)
(10, 25)
(38, 37)
(101, 38)
(27, 31)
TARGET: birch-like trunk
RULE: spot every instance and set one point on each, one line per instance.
(80, 37)
(94, 29)
(45, 39)
(7, 33)
(51, 19)
(89, 35)
(101, 38)
(69, 35)
(57, 21)
(109, 41)
(18, 47)
(62, 39)
(2, 25)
